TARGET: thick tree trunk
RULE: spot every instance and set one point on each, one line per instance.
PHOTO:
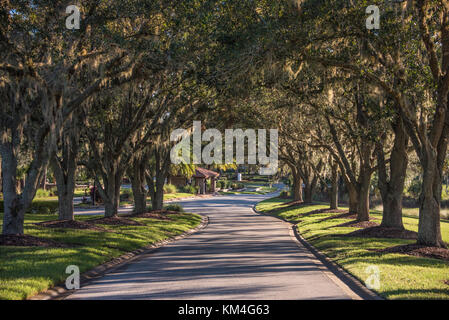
(157, 201)
(112, 194)
(308, 192)
(137, 176)
(297, 190)
(14, 212)
(64, 172)
(1, 176)
(363, 199)
(429, 232)
(297, 184)
(391, 190)
(157, 196)
(334, 187)
(353, 199)
(65, 199)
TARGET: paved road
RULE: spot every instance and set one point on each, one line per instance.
(240, 255)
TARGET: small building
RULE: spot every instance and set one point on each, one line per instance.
(200, 177)
(178, 181)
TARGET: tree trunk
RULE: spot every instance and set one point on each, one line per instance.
(308, 193)
(334, 187)
(112, 194)
(297, 184)
(44, 180)
(353, 199)
(157, 197)
(137, 176)
(391, 190)
(363, 200)
(429, 232)
(64, 171)
(297, 190)
(14, 212)
(1, 176)
(65, 199)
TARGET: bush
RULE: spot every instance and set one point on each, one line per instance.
(415, 188)
(174, 207)
(190, 189)
(169, 188)
(223, 184)
(39, 207)
(41, 193)
(284, 194)
(53, 192)
(237, 186)
(126, 195)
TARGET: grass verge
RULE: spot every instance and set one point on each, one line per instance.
(401, 276)
(26, 271)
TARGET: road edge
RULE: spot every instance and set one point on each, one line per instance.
(59, 292)
(334, 271)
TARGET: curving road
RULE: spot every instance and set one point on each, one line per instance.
(240, 255)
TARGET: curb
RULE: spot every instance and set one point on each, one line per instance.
(60, 292)
(351, 282)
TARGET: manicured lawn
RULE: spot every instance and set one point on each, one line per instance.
(264, 189)
(25, 271)
(401, 276)
(171, 196)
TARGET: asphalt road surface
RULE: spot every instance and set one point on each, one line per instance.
(240, 255)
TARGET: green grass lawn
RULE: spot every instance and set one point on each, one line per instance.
(171, 196)
(264, 189)
(402, 276)
(26, 271)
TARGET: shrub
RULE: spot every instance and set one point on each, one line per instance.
(39, 207)
(53, 192)
(41, 193)
(126, 195)
(223, 184)
(169, 188)
(190, 189)
(284, 194)
(237, 186)
(415, 188)
(174, 207)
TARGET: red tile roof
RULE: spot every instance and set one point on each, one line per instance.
(204, 173)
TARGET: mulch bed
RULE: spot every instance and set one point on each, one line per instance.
(418, 251)
(30, 241)
(357, 224)
(116, 221)
(384, 232)
(70, 224)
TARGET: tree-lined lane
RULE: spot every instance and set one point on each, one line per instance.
(240, 255)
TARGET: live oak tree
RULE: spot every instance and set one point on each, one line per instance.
(41, 64)
(408, 58)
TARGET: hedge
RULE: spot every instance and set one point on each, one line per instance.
(39, 207)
